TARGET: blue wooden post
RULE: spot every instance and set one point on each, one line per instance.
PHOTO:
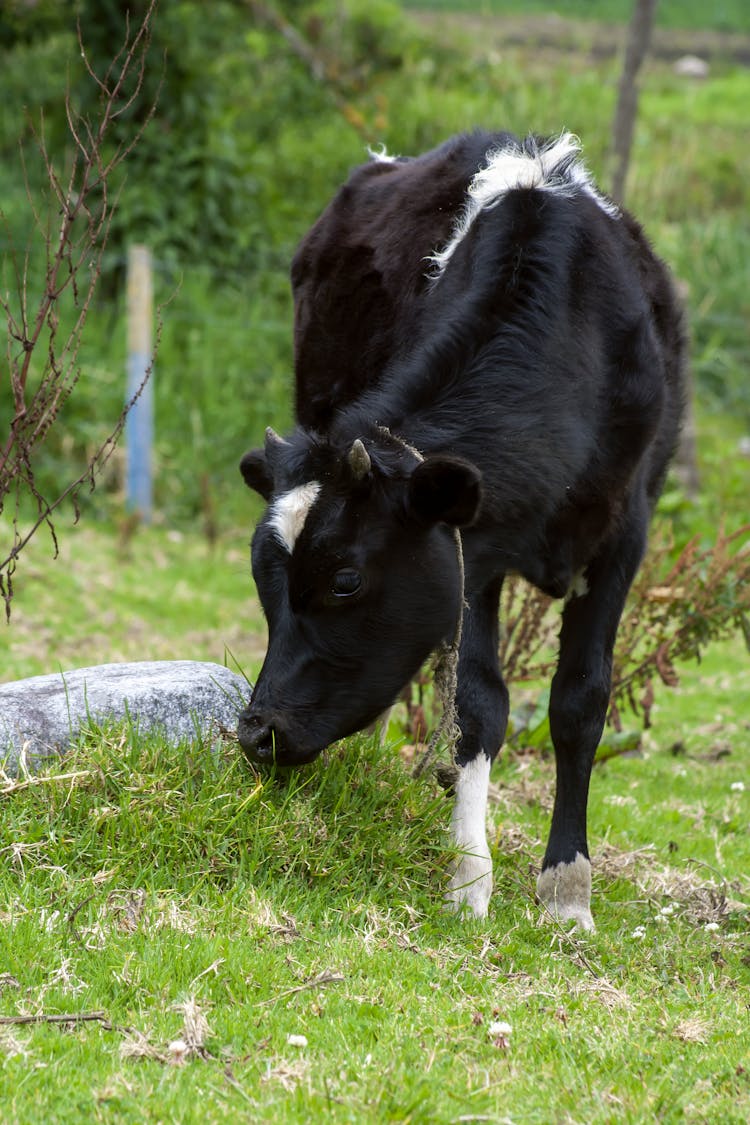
(139, 425)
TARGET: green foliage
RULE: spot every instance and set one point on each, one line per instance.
(23, 22)
(247, 147)
(157, 810)
(187, 187)
(93, 604)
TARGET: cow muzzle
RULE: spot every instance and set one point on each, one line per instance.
(256, 738)
(264, 744)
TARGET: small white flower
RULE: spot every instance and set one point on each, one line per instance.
(737, 786)
(711, 927)
(178, 1051)
(499, 1028)
(638, 933)
(297, 1040)
(668, 909)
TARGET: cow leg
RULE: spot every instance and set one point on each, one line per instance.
(578, 707)
(482, 704)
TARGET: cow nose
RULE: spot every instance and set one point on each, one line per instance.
(256, 738)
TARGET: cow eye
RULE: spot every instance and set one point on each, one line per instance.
(346, 582)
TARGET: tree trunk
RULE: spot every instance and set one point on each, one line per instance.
(639, 37)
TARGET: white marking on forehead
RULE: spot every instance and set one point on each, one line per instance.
(289, 512)
(548, 167)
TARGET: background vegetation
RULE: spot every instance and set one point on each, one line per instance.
(250, 139)
(727, 15)
(181, 940)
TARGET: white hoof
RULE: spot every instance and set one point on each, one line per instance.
(565, 890)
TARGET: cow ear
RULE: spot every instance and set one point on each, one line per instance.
(257, 473)
(445, 489)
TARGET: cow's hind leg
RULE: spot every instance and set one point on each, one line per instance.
(578, 707)
(482, 703)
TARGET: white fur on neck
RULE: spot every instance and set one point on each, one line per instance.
(470, 886)
(289, 512)
(547, 167)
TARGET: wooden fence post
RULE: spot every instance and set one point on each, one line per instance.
(139, 424)
(639, 37)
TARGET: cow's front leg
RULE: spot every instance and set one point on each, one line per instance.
(482, 704)
(578, 707)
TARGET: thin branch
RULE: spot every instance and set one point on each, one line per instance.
(16, 786)
(63, 1018)
(317, 65)
(57, 1017)
(326, 977)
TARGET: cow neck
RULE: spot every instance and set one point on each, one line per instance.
(445, 673)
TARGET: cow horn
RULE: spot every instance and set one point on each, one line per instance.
(359, 460)
(272, 438)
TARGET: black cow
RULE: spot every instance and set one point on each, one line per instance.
(483, 341)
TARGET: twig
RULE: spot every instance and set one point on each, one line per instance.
(571, 941)
(63, 1017)
(325, 977)
(72, 915)
(325, 73)
(17, 786)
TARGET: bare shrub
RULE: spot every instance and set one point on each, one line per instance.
(677, 606)
(44, 332)
(676, 609)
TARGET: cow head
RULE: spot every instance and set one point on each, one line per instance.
(356, 566)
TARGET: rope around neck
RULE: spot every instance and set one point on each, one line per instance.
(445, 679)
(445, 667)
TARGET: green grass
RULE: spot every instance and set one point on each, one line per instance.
(164, 887)
(161, 887)
(160, 595)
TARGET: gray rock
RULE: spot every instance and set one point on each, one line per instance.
(183, 699)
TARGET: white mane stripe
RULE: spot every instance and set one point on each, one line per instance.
(381, 155)
(289, 512)
(550, 167)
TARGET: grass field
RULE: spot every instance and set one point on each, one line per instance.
(227, 947)
(196, 922)
(202, 916)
